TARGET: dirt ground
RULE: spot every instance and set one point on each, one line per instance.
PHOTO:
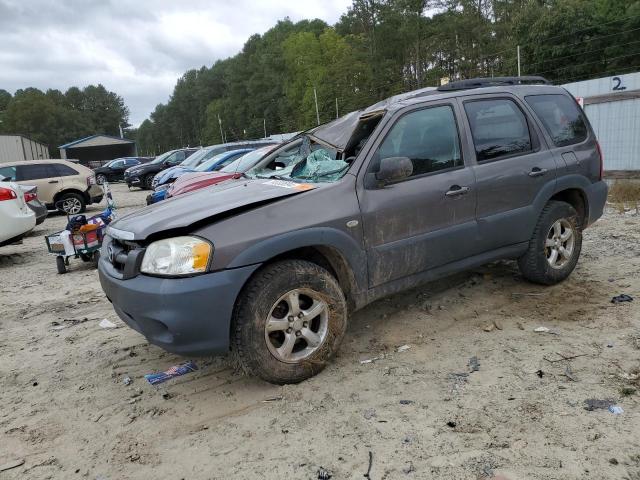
(418, 413)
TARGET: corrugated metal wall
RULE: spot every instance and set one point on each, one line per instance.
(616, 122)
(16, 147)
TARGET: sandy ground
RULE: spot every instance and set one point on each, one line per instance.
(421, 412)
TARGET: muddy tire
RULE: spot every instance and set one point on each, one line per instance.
(60, 265)
(288, 321)
(555, 246)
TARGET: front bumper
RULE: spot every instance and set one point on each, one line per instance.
(133, 180)
(596, 199)
(188, 316)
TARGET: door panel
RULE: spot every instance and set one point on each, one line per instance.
(427, 219)
(42, 176)
(511, 168)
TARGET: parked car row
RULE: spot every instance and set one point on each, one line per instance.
(114, 170)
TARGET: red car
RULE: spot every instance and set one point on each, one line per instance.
(197, 180)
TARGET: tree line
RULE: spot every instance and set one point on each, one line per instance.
(378, 48)
(55, 118)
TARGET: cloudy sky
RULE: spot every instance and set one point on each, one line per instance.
(136, 48)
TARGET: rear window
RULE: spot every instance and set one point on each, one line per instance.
(60, 170)
(8, 173)
(561, 117)
(499, 128)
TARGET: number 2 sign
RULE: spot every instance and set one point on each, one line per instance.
(617, 84)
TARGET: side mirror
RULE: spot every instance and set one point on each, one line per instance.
(393, 169)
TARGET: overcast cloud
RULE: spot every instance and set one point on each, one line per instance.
(136, 48)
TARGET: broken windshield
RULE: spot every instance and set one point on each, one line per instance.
(305, 161)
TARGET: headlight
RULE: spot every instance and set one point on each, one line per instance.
(177, 256)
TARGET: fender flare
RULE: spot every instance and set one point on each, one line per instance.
(574, 181)
(345, 245)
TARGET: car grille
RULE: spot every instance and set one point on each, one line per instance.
(124, 256)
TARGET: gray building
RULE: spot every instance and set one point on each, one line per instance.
(98, 148)
(612, 105)
(14, 148)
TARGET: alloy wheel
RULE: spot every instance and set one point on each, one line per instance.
(71, 205)
(559, 243)
(297, 325)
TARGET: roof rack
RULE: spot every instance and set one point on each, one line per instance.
(493, 82)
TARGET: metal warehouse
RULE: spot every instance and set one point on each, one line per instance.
(20, 147)
(98, 148)
(612, 105)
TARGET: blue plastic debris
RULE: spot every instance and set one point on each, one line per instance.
(175, 371)
(616, 410)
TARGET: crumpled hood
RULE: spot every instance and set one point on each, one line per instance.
(185, 210)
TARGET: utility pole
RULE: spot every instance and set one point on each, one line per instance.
(221, 134)
(518, 60)
(336, 108)
(315, 95)
(264, 125)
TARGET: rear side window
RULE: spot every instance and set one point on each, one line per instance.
(35, 171)
(499, 128)
(561, 117)
(428, 137)
(60, 170)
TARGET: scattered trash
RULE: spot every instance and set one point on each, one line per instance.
(35, 384)
(474, 364)
(622, 298)
(451, 424)
(592, 404)
(489, 327)
(541, 330)
(371, 360)
(272, 399)
(609, 345)
(13, 464)
(540, 373)
(104, 323)
(324, 474)
(403, 348)
(368, 474)
(369, 413)
(127, 381)
(406, 402)
(175, 371)
(616, 410)
(564, 357)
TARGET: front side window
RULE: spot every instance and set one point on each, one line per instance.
(561, 118)
(499, 128)
(36, 171)
(428, 137)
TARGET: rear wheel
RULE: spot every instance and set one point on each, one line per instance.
(62, 268)
(71, 203)
(555, 246)
(289, 321)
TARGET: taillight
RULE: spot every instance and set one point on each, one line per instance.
(601, 160)
(30, 197)
(7, 194)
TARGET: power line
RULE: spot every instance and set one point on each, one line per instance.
(589, 63)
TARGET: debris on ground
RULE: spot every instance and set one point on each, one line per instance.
(324, 474)
(489, 327)
(474, 364)
(568, 372)
(369, 413)
(272, 399)
(616, 410)
(368, 474)
(408, 468)
(497, 324)
(127, 381)
(104, 323)
(451, 424)
(541, 330)
(622, 298)
(13, 464)
(371, 360)
(403, 348)
(175, 371)
(406, 402)
(592, 404)
(540, 373)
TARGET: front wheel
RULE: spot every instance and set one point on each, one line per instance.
(288, 321)
(71, 203)
(555, 246)
(148, 182)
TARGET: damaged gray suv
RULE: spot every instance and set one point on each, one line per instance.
(416, 187)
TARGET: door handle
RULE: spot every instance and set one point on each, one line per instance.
(455, 190)
(537, 172)
(52, 181)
